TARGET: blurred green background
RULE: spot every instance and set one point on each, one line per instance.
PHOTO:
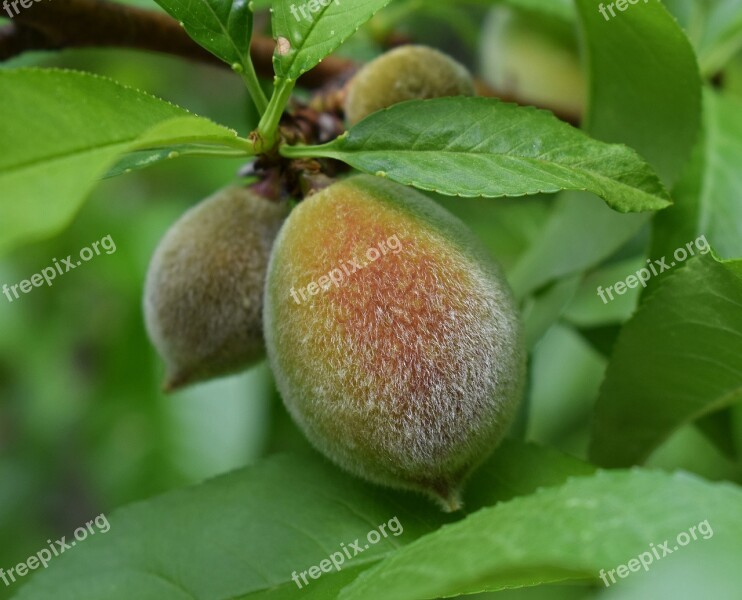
(84, 427)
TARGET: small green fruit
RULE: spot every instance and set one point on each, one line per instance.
(532, 61)
(405, 73)
(204, 289)
(393, 336)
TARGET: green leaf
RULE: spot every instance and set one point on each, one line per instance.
(570, 532)
(564, 10)
(714, 27)
(555, 254)
(645, 89)
(224, 28)
(650, 105)
(722, 35)
(484, 147)
(707, 204)
(507, 227)
(563, 390)
(143, 159)
(676, 360)
(588, 310)
(242, 535)
(708, 195)
(519, 469)
(541, 311)
(81, 123)
(718, 427)
(307, 31)
(602, 338)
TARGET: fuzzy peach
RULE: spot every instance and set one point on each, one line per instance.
(204, 290)
(393, 336)
(405, 73)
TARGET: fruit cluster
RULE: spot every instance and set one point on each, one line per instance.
(408, 369)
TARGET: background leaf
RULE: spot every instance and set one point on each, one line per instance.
(541, 311)
(557, 254)
(484, 147)
(677, 359)
(645, 89)
(81, 123)
(569, 532)
(201, 542)
(563, 9)
(722, 34)
(507, 227)
(714, 27)
(651, 105)
(707, 198)
(519, 469)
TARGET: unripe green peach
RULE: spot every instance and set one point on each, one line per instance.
(393, 336)
(405, 73)
(534, 62)
(203, 296)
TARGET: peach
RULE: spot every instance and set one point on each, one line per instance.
(405, 73)
(203, 296)
(393, 336)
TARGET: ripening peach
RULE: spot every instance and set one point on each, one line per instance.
(405, 73)
(393, 336)
(203, 296)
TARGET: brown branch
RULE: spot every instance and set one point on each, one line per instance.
(58, 24)
(99, 23)
(15, 40)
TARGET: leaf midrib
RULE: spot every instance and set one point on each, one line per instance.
(61, 156)
(128, 143)
(528, 160)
